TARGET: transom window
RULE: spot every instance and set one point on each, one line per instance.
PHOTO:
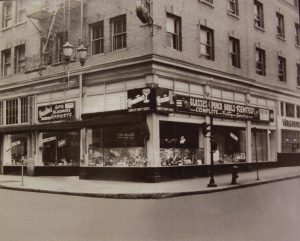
(258, 14)
(97, 37)
(233, 7)
(207, 42)
(280, 25)
(235, 52)
(118, 28)
(6, 62)
(7, 14)
(20, 58)
(281, 68)
(290, 110)
(16, 111)
(260, 61)
(173, 27)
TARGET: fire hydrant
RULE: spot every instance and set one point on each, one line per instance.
(234, 175)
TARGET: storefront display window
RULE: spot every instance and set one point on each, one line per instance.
(290, 141)
(116, 146)
(61, 149)
(179, 144)
(16, 154)
(231, 144)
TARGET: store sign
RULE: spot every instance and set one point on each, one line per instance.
(59, 111)
(62, 143)
(52, 138)
(286, 123)
(151, 99)
(165, 100)
(139, 99)
(192, 105)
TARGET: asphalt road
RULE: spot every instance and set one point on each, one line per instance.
(268, 212)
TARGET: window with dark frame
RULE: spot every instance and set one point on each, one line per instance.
(297, 37)
(207, 42)
(60, 40)
(173, 28)
(24, 110)
(118, 30)
(298, 74)
(282, 109)
(260, 62)
(12, 112)
(1, 113)
(280, 25)
(298, 111)
(258, 14)
(7, 14)
(20, 59)
(97, 38)
(233, 7)
(282, 69)
(6, 62)
(235, 52)
(290, 110)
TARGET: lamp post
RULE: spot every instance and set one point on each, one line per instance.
(212, 179)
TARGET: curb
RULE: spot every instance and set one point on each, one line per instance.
(152, 195)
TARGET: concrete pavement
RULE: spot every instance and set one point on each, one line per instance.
(134, 190)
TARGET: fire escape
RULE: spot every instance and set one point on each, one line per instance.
(52, 20)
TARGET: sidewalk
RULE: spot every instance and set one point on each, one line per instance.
(134, 190)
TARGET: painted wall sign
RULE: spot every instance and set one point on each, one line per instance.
(290, 123)
(59, 111)
(165, 100)
(193, 105)
(140, 99)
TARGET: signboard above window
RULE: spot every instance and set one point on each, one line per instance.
(61, 111)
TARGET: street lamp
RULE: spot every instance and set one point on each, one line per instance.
(255, 146)
(82, 52)
(67, 51)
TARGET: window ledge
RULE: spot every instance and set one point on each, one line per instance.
(6, 28)
(280, 37)
(260, 28)
(233, 14)
(297, 45)
(207, 3)
(120, 50)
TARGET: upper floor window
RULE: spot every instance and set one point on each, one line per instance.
(289, 110)
(207, 42)
(20, 58)
(6, 62)
(233, 7)
(258, 14)
(281, 68)
(16, 111)
(7, 14)
(118, 30)
(297, 28)
(209, 2)
(97, 37)
(280, 25)
(260, 57)
(20, 11)
(173, 27)
(298, 111)
(235, 52)
(298, 74)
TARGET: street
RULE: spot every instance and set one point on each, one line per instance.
(261, 213)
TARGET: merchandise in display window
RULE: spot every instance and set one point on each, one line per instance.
(179, 144)
(61, 149)
(17, 151)
(117, 146)
(231, 144)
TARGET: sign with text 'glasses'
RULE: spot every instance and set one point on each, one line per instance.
(197, 106)
(61, 111)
